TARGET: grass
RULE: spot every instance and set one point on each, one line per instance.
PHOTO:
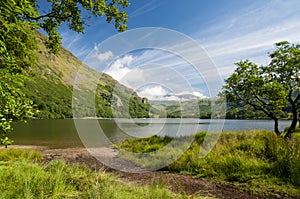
(254, 160)
(22, 175)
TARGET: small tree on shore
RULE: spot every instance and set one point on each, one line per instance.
(250, 88)
(268, 88)
(285, 69)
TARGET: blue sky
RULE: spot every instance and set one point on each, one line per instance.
(228, 30)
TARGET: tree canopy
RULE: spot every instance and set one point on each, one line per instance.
(248, 86)
(13, 104)
(19, 21)
(19, 18)
(268, 88)
(285, 69)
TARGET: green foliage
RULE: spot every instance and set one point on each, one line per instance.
(235, 111)
(6, 141)
(20, 178)
(270, 88)
(284, 68)
(13, 104)
(137, 108)
(16, 49)
(251, 157)
(17, 38)
(25, 17)
(248, 86)
(116, 100)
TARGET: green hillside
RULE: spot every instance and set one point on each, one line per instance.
(184, 109)
(202, 109)
(50, 86)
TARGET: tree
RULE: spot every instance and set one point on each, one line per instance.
(285, 69)
(19, 21)
(249, 87)
(13, 104)
(73, 12)
(269, 88)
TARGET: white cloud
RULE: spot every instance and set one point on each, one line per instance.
(120, 67)
(158, 93)
(153, 93)
(250, 33)
(105, 56)
(148, 7)
(142, 70)
(190, 95)
(194, 93)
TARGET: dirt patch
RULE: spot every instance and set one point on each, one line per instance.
(186, 184)
(175, 182)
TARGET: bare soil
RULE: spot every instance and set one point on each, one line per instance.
(175, 182)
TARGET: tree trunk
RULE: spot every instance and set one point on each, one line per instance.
(294, 121)
(299, 120)
(276, 129)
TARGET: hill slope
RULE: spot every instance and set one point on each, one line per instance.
(50, 86)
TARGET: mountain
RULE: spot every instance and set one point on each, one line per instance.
(202, 108)
(50, 85)
(182, 109)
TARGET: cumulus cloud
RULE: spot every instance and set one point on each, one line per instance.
(193, 95)
(153, 93)
(119, 68)
(158, 76)
(105, 56)
(159, 93)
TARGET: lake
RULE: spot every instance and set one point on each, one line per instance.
(63, 133)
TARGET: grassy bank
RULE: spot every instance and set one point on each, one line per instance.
(23, 175)
(258, 161)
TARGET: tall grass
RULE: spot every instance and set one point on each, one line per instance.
(18, 154)
(251, 157)
(21, 177)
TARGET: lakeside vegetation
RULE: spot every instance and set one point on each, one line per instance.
(258, 161)
(34, 79)
(254, 161)
(24, 175)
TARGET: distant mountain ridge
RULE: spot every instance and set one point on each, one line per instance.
(50, 86)
(192, 108)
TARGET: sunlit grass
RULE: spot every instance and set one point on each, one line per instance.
(258, 158)
(22, 176)
(17, 154)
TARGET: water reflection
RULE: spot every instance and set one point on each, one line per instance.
(63, 134)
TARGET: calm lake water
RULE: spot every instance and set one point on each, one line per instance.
(64, 133)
